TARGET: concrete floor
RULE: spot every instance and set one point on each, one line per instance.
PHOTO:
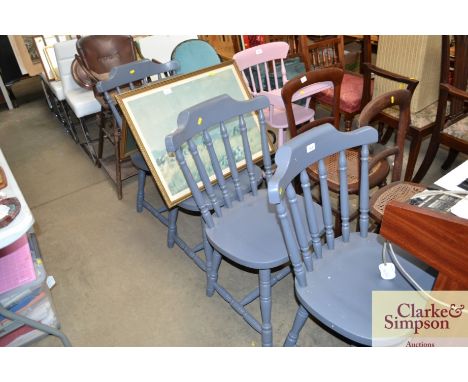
(117, 282)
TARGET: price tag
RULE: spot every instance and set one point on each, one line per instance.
(167, 91)
(310, 147)
(303, 79)
(258, 51)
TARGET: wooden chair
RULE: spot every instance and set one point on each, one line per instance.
(132, 76)
(397, 190)
(256, 65)
(193, 55)
(329, 52)
(333, 282)
(422, 121)
(121, 78)
(245, 230)
(225, 45)
(451, 130)
(378, 171)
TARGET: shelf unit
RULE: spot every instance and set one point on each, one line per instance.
(20, 226)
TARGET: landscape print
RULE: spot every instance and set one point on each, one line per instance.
(153, 115)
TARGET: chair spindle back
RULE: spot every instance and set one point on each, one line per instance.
(221, 112)
(259, 62)
(292, 159)
(131, 76)
(322, 54)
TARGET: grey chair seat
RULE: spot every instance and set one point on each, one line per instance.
(190, 204)
(260, 243)
(332, 287)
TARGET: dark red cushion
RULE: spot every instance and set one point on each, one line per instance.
(351, 94)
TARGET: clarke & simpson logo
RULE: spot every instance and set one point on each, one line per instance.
(409, 318)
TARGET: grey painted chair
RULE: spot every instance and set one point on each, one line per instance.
(333, 282)
(245, 230)
(121, 78)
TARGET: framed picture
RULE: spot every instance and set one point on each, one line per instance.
(152, 111)
(52, 61)
(40, 44)
(31, 48)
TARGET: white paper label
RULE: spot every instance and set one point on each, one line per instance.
(310, 147)
(167, 91)
(303, 79)
(50, 281)
(258, 51)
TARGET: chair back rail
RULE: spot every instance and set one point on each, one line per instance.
(202, 119)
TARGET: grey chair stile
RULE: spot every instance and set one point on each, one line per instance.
(242, 228)
(334, 281)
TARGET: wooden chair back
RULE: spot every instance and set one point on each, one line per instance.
(292, 160)
(333, 75)
(225, 117)
(130, 76)
(324, 53)
(225, 45)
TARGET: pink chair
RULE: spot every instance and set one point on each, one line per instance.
(264, 71)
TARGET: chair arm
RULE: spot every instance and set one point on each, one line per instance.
(368, 69)
(452, 90)
(382, 155)
(411, 82)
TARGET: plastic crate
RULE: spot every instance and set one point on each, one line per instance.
(13, 296)
(32, 300)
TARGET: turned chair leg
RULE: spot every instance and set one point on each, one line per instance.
(141, 190)
(299, 321)
(265, 306)
(212, 273)
(172, 227)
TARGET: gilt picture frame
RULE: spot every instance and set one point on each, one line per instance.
(151, 113)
